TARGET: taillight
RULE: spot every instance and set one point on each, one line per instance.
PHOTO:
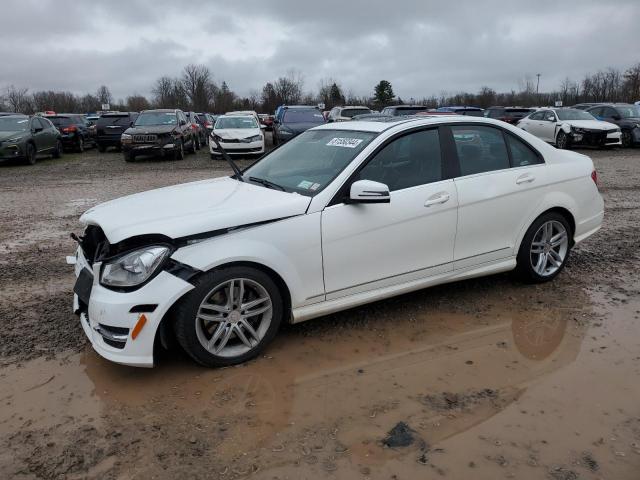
(69, 129)
(594, 177)
(207, 125)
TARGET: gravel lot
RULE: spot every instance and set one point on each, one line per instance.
(487, 378)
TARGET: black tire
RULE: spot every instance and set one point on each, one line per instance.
(178, 153)
(626, 139)
(197, 144)
(193, 148)
(129, 156)
(31, 153)
(101, 148)
(59, 150)
(188, 306)
(562, 140)
(80, 145)
(524, 269)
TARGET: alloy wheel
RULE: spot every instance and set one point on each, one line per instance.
(549, 248)
(234, 317)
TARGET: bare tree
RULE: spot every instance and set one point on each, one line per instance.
(17, 99)
(196, 80)
(137, 103)
(104, 94)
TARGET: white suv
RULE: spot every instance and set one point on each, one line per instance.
(342, 215)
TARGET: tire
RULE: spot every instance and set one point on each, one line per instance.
(562, 140)
(626, 139)
(532, 267)
(30, 157)
(275, 139)
(129, 156)
(193, 148)
(178, 153)
(197, 144)
(101, 148)
(80, 145)
(59, 150)
(225, 321)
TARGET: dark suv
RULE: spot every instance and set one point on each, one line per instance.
(507, 114)
(295, 120)
(111, 126)
(74, 130)
(625, 115)
(159, 132)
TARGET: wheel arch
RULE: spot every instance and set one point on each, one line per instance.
(562, 210)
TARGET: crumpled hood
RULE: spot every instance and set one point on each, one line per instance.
(6, 135)
(591, 124)
(237, 133)
(193, 208)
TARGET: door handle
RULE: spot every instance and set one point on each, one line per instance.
(437, 198)
(526, 178)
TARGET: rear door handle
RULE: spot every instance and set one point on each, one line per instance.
(526, 178)
(441, 197)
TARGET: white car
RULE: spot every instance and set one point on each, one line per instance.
(237, 135)
(566, 127)
(344, 114)
(342, 215)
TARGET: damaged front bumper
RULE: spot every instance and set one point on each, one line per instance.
(596, 138)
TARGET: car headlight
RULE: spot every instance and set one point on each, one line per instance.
(126, 138)
(133, 268)
(255, 138)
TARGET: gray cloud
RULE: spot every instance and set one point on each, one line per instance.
(422, 47)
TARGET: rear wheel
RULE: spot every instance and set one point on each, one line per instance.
(30, 157)
(562, 140)
(192, 149)
(229, 317)
(626, 138)
(58, 151)
(178, 154)
(545, 248)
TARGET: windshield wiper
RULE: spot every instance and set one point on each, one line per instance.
(234, 167)
(267, 183)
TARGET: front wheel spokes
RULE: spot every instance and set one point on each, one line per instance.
(228, 330)
(252, 332)
(558, 239)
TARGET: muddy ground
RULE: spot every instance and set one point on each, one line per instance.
(482, 379)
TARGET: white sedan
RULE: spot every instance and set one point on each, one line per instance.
(237, 135)
(342, 215)
(566, 127)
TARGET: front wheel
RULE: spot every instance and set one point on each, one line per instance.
(545, 248)
(129, 156)
(626, 139)
(178, 154)
(58, 151)
(31, 153)
(229, 317)
(562, 140)
(101, 148)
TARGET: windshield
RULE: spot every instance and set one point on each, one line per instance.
(629, 112)
(14, 124)
(235, 122)
(302, 116)
(352, 112)
(156, 118)
(61, 121)
(310, 162)
(113, 120)
(574, 114)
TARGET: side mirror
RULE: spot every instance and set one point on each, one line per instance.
(368, 191)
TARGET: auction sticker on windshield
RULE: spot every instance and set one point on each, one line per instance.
(344, 142)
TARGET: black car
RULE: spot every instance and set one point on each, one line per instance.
(24, 138)
(507, 114)
(402, 110)
(111, 126)
(74, 129)
(160, 132)
(295, 120)
(625, 115)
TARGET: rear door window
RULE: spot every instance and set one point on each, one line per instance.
(521, 154)
(480, 149)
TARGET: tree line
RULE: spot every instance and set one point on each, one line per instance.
(195, 89)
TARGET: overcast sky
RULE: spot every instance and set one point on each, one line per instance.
(422, 47)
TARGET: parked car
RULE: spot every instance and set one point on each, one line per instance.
(507, 114)
(335, 218)
(462, 110)
(373, 117)
(4, 114)
(400, 110)
(161, 132)
(244, 113)
(344, 114)
(238, 135)
(110, 127)
(625, 116)
(295, 120)
(74, 129)
(23, 138)
(199, 130)
(92, 121)
(207, 120)
(565, 127)
(584, 106)
(266, 120)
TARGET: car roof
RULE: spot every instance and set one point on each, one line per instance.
(410, 121)
(160, 110)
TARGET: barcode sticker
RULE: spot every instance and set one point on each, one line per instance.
(344, 142)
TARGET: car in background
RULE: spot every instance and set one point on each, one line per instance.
(266, 120)
(199, 130)
(566, 127)
(92, 121)
(373, 117)
(584, 106)
(110, 127)
(625, 116)
(253, 113)
(237, 135)
(463, 110)
(4, 114)
(402, 110)
(510, 115)
(23, 138)
(74, 129)
(207, 120)
(344, 114)
(334, 219)
(164, 132)
(295, 120)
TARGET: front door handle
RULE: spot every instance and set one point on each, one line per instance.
(441, 197)
(526, 178)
